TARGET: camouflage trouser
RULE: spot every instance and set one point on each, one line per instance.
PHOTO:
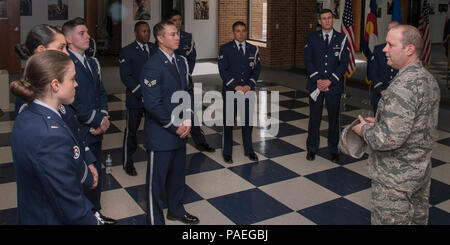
(393, 207)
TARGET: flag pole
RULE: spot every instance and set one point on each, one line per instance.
(448, 64)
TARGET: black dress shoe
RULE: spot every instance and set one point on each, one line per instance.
(252, 156)
(130, 170)
(188, 219)
(205, 147)
(227, 159)
(105, 220)
(335, 158)
(310, 156)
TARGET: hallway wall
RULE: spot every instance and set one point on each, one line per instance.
(40, 16)
(203, 30)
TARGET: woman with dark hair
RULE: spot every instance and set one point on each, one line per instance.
(47, 163)
(40, 38)
(45, 37)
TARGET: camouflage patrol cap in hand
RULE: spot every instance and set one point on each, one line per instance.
(350, 143)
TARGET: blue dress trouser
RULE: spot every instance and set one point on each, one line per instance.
(228, 131)
(332, 103)
(134, 117)
(165, 174)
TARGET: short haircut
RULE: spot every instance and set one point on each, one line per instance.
(139, 23)
(71, 24)
(172, 14)
(410, 36)
(238, 23)
(158, 29)
(324, 11)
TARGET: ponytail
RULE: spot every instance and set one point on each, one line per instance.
(23, 89)
(40, 70)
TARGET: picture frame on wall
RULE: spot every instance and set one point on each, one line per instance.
(443, 8)
(432, 9)
(26, 8)
(58, 9)
(3, 9)
(335, 8)
(379, 13)
(141, 9)
(201, 9)
(390, 7)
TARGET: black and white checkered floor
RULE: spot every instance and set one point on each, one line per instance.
(283, 188)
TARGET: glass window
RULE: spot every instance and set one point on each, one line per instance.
(258, 20)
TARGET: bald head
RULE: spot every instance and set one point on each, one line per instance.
(392, 24)
(410, 36)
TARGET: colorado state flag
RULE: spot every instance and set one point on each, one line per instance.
(371, 31)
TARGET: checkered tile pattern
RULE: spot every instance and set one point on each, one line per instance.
(283, 188)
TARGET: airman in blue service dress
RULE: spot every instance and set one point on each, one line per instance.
(187, 50)
(132, 59)
(325, 61)
(91, 106)
(166, 150)
(238, 68)
(49, 168)
(380, 73)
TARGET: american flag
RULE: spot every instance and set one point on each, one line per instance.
(347, 29)
(424, 28)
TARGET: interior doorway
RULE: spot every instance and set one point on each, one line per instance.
(104, 19)
(10, 33)
(168, 5)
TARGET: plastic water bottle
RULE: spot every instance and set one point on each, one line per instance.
(108, 164)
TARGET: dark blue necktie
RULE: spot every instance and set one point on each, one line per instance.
(88, 70)
(174, 64)
(241, 51)
(326, 40)
(146, 52)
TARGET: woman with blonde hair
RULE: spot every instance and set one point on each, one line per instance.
(47, 160)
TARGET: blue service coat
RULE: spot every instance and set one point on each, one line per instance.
(379, 72)
(132, 58)
(91, 100)
(158, 83)
(326, 62)
(70, 118)
(49, 170)
(186, 48)
(246, 73)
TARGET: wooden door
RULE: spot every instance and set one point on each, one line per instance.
(91, 17)
(10, 33)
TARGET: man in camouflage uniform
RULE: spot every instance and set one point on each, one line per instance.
(402, 134)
